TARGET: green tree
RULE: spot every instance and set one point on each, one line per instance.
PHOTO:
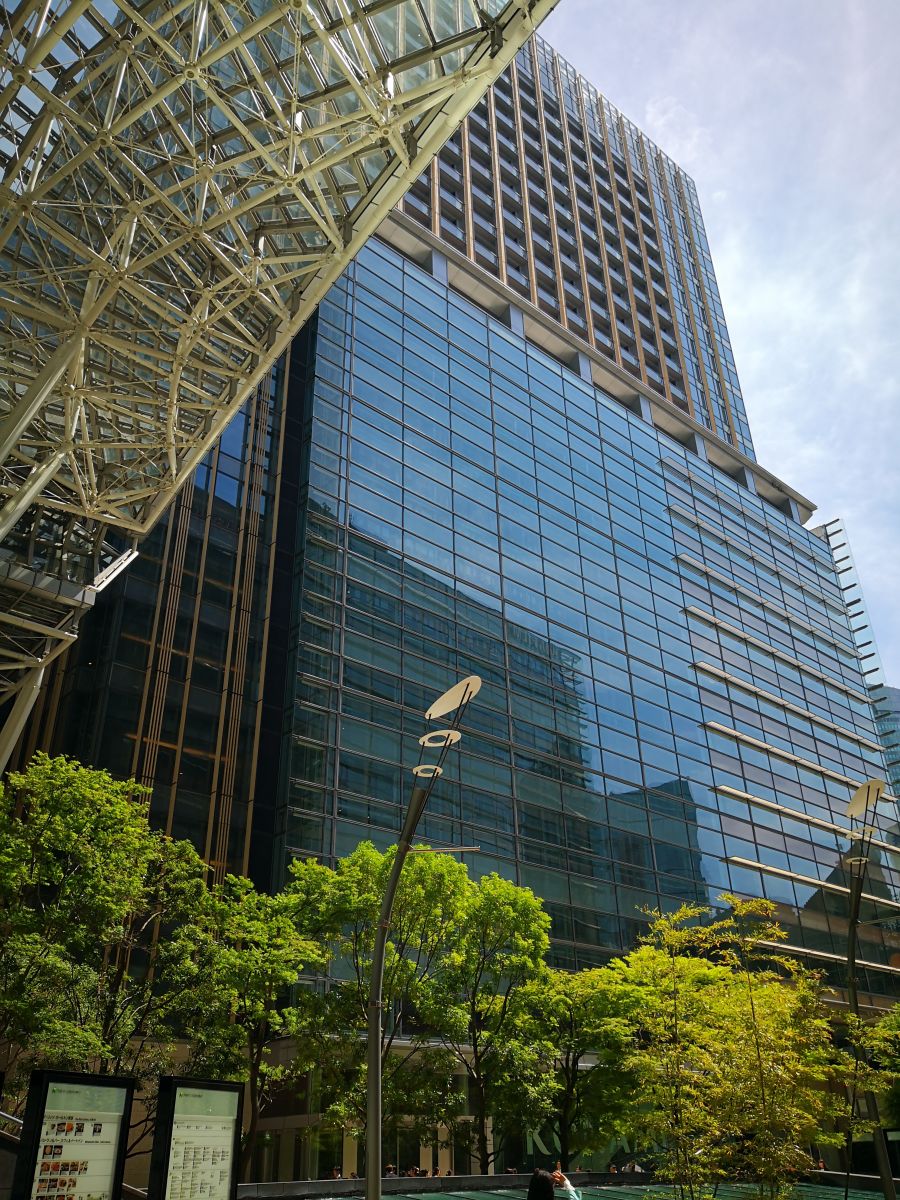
(733, 1053)
(61, 830)
(256, 949)
(589, 1018)
(781, 1053)
(84, 885)
(418, 1087)
(676, 1048)
(883, 1047)
(771, 1089)
(479, 1013)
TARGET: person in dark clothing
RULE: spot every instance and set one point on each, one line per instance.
(543, 1183)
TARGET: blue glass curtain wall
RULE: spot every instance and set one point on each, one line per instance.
(672, 704)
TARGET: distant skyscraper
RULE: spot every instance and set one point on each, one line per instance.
(885, 699)
(557, 194)
(887, 721)
(513, 443)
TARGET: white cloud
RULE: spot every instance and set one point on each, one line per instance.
(676, 129)
(785, 115)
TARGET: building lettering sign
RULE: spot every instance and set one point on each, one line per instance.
(74, 1137)
(196, 1147)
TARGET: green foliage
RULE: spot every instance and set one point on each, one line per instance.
(674, 1054)
(588, 1018)
(417, 1075)
(782, 1053)
(883, 1048)
(255, 951)
(84, 884)
(478, 1009)
(114, 948)
(706, 1045)
(458, 955)
(733, 1053)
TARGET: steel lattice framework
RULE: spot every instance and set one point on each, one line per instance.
(180, 183)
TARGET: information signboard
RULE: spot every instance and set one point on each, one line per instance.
(74, 1135)
(196, 1147)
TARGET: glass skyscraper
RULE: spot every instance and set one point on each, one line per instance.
(513, 443)
(673, 704)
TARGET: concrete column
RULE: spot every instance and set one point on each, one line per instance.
(745, 479)
(425, 1155)
(639, 404)
(790, 508)
(349, 1155)
(439, 266)
(697, 445)
(445, 1152)
(517, 320)
(286, 1153)
(584, 367)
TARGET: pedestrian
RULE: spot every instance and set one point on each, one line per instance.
(390, 1171)
(542, 1184)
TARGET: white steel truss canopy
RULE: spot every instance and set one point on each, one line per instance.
(180, 183)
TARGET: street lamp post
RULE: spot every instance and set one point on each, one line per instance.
(861, 806)
(452, 703)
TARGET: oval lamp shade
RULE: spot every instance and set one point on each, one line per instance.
(866, 797)
(461, 693)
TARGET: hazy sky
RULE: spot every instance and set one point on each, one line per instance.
(786, 113)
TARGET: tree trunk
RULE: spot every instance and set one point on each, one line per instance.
(253, 1123)
(565, 1113)
(564, 1149)
(481, 1140)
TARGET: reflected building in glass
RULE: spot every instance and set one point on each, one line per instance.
(513, 443)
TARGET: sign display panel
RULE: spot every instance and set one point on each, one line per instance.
(73, 1137)
(201, 1159)
(196, 1146)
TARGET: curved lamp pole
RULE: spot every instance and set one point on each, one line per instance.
(861, 807)
(452, 704)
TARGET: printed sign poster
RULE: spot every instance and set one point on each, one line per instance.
(201, 1158)
(79, 1142)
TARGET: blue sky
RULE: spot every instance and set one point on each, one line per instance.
(786, 116)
